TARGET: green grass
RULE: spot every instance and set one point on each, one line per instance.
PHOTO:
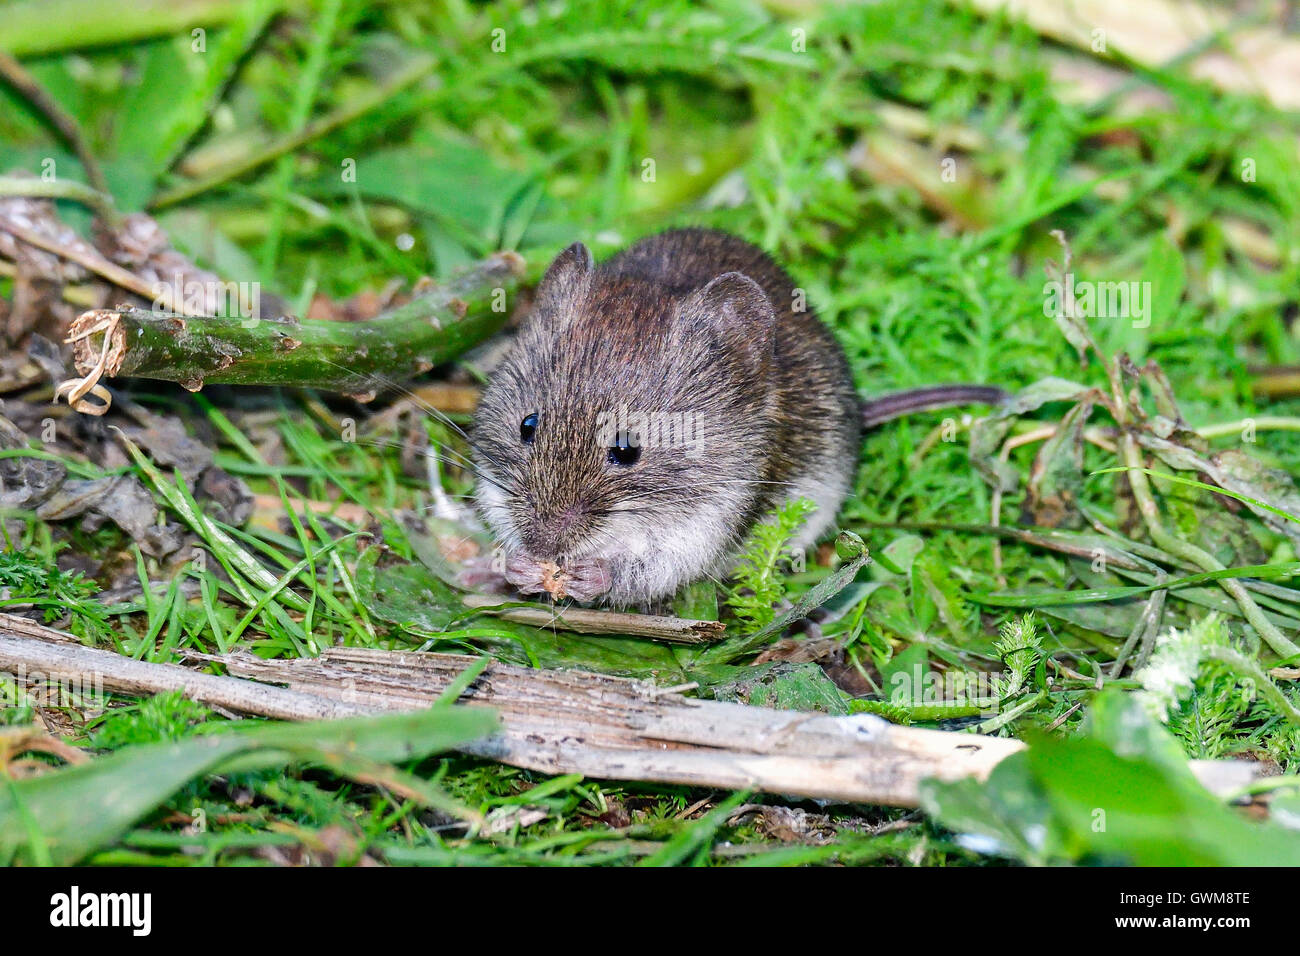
(547, 142)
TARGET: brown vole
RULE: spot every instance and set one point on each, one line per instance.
(651, 409)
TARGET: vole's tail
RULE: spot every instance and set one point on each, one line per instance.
(885, 408)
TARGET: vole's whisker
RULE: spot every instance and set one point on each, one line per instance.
(445, 456)
(436, 413)
(415, 400)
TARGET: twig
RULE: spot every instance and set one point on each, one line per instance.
(35, 650)
(562, 722)
(674, 630)
(1054, 725)
(1277, 381)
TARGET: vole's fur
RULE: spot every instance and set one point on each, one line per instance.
(705, 331)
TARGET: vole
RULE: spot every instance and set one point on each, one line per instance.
(693, 334)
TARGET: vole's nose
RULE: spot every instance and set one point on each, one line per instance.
(550, 535)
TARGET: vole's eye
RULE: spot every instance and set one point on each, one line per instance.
(528, 428)
(622, 452)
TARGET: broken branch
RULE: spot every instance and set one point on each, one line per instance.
(570, 721)
(356, 358)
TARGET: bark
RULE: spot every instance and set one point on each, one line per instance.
(357, 358)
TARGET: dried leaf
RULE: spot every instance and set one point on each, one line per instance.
(1056, 478)
(987, 434)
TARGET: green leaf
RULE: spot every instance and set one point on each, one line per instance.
(1006, 815)
(408, 595)
(1124, 793)
(987, 434)
(1090, 595)
(1056, 477)
(906, 671)
(784, 686)
(79, 809)
(1166, 270)
(856, 556)
(697, 602)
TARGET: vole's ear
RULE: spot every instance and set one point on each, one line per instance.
(564, 281)
(736, 308)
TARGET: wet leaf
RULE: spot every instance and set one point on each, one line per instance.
(408, 595)
(1112, 618)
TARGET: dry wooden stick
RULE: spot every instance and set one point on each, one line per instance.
(570, 721)
(91, 260)
(89, 669)
(560, 722)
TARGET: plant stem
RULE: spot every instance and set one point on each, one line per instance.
(1258, 423)
(1176, 546)
(1002, 719)
(1249, 669)
(356, 358)
(17, 76)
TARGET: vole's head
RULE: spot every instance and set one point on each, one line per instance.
(622, 440)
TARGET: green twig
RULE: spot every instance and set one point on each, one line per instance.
(1257, 423)
(356, 358)
(1001, 720)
